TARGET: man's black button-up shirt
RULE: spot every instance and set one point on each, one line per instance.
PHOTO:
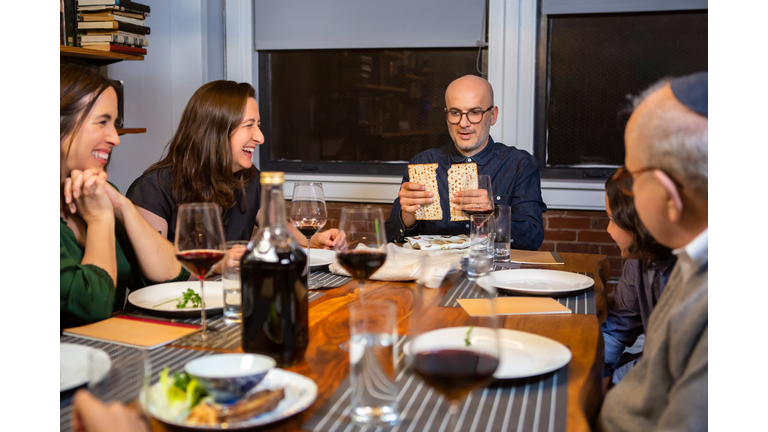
(515, 182)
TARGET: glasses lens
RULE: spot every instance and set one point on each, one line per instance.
(475, 116)
(453, 117)
(624, 179)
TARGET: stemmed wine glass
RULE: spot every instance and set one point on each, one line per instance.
(477, 196)
(361, 244)
(308, 214)
(454, 360)
(200, 244)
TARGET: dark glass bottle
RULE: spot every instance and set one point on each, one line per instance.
(274, 283)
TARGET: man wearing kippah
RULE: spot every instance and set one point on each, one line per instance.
(666, 142)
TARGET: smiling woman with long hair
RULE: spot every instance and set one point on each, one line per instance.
(106, 247)
(209, 160)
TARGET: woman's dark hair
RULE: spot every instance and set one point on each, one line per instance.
(199, 154)
(79, 88)
(625, 217)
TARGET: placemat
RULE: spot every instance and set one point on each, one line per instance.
(174, 358)
(226, 336)
(532, 404)
(582, 302)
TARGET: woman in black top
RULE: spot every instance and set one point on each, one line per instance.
(209, 160)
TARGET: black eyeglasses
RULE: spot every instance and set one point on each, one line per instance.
(623, 178)
(474, 116)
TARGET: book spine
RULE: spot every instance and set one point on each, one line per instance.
(127, 49)
(132, 5)
(132, 28)
(70, 23)
(63, 34)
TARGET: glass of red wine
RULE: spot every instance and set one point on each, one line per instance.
(361, 244)
(454, 360)
(308, 214)
(200, 244)
(477, 196)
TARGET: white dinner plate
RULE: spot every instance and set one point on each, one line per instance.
(73, 365)
(320, 257)
(535, 281)
(300, 394)
(522, 354)
(150, 297)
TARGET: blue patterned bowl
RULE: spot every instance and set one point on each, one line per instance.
(227, 377)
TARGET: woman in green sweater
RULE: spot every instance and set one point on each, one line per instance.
(106, 247)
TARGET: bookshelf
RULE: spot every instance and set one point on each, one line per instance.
(96, 57)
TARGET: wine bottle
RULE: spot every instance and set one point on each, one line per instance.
(274, 283)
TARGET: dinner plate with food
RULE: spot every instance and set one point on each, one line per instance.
(229, 391)
(179, 298)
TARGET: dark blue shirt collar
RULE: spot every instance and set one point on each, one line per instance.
(480, 158)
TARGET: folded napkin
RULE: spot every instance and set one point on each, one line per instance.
(405, 265)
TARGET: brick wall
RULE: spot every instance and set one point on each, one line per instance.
(565, 231)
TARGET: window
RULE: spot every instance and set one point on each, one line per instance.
(588, 65)
(355, 111)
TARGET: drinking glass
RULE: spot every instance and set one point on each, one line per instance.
(361, 245)
(200, 245)
(372, 360)
(481, 241)
(458, 359)
(123, 378)
(477, 196)
(308, 214)
(230, 281)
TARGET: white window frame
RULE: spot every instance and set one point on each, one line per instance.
(511, 72)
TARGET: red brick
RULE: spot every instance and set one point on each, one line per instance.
(555, 235)
(568, 223)
(595, 237)
(583, 213)
(610, 250)
(600, 224)
(578, 248)
(554, 213)
(547, 246)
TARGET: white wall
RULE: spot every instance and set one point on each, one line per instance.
(185, 51)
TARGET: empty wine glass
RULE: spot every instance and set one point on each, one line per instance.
(454, 360)
(200, 245)
(308, 214)
(122, 375)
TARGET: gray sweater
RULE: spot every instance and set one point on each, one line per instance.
(667, 389)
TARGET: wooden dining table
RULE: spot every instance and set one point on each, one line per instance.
(328, 365)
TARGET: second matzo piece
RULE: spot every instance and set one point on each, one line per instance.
(426, 174)
(456, 175)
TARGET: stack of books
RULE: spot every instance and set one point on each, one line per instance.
(113, 25)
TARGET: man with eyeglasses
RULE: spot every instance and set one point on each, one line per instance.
(666, 171)
(514, 173)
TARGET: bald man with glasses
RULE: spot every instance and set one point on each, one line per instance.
(514, 173)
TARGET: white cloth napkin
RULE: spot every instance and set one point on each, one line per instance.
(404, 265)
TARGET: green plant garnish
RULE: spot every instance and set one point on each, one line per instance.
(466, 338)
(185, 298)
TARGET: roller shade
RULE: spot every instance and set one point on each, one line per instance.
(551, 7)
(342, 24)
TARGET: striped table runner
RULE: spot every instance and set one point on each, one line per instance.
(532, 404)
(327, 280)
(582, 302)
(174, 358)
